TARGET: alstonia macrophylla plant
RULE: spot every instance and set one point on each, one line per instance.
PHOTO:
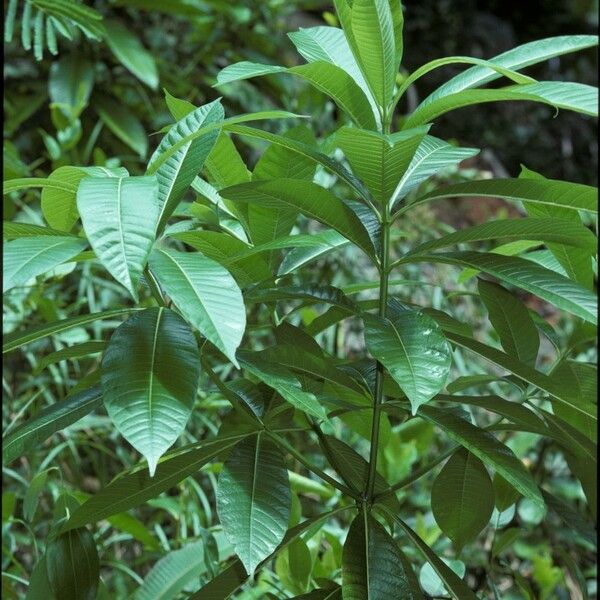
(203, 275)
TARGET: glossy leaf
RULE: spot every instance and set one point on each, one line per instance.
(462, 498)
(28, 257)
(150, 374)
(412, 347)
(205, 293)
(119, 216)
(253, 500)
(373, 566)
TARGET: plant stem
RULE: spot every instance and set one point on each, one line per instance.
(383, 295)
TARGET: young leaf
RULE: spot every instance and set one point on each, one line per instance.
(373, 566)
(512, 322)
(205, 293)
(375, 47)
(150, 373)
(177, 172)
(412, 347)
(462, 498)
(253, 500)
(119, 216)
(73, 566)
(26, 258)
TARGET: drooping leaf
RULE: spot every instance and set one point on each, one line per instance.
(177, 172)
(412, 347)
(512, 322)
(73, 566)
(462, 498)
(47, 421)
(150, 374)
(487, 448)
(205, 293)
(136, 486)
(517, 58)
(373, 567)
(253, 499)
(120, 216)
(123, 123)
(28, 257)
(574, 196)
(544, 283)
(577, 97)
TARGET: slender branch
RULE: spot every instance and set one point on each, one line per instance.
(383, 295)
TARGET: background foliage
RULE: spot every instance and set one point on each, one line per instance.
(93, 102)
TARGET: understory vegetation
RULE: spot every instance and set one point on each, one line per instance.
(294, 308)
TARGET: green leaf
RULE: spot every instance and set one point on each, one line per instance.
(32, 495)
(205, 293)
(26, 258)
(284, 382)
(70, 83)
(544, 283)
(309, 198)
(412, 347)
(177, 172)
(462, 498)
(119, 216)
(548, 192)
(535, 229)
(150, 373)
(341, 88)
(511, 321)
(254, 499)
(373, 566)
(131, 53)
(39, 586)
(379, 160)
(487, 448)
(246, 70)
(577, 262)
(136, 486)
(224, 584)
(558, 389)
(432, 156)
(123, 123)
(329, 44)
(60, 207)
(374, 46)
(17, 339)
(455, 585)
(517, 58)
(75, 351)
(172, 573)
(12, 230)
(14, 185)
(73, 566)
(577, 97)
